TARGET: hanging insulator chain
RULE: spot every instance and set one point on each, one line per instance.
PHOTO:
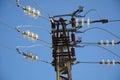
(108, 43)
(76, 23)
(109, 62)
(30, 56)
(31, 11)
(30, 35)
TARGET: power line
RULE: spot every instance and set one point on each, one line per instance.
(11, 2)
(45, 41)
(91, 11)
(100, 47)
(100, 29)
(5, 46)
(109, 51)
(113, 20)
(37, 45)
(8, 26)
(45, 62)
(41, 7)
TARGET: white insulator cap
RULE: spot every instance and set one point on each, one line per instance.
(37, 13)
(27, 9)
(108, 62)
(107, 42)
(36, 37)
(33, 57)
(82, 24)
(113, 42)
(33, 12)
(101, 42)
(113, 62)
(103, 62)
(37, 58)
(52, 20)
(26, 34)
(32, 34)
(77, 23)
(88, 22)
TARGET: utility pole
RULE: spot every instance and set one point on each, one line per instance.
(63, 42)
(61, 49)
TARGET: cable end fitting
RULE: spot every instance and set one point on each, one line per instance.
(104, 21)
(18, 50)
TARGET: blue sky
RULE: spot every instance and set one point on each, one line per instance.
(14, 67)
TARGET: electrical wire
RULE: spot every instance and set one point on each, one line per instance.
(113, 20)
(32, 46)
(45, 62)
(11, 1)
(31, 26)
(8, 26)
(5, 46)
(91, 11)
(45, 41)
(102, 48)
(88, 43)
(100, 29)
(83, 62)
(109, 51)
(40, 7)
(89, 62)
(45, 18)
